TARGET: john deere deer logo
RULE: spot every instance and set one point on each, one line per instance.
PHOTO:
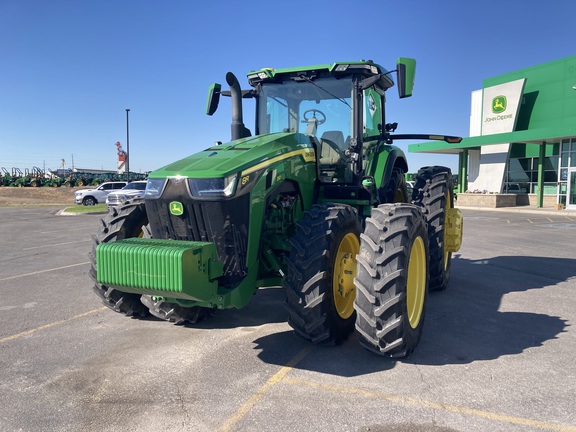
(499, 104)
(176, 208)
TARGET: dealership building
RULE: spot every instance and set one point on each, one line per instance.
(522, 137)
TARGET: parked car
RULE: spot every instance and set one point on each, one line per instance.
(132, 190)
(410, 187)
(97, 195)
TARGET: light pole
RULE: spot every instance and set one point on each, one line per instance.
(127, 147)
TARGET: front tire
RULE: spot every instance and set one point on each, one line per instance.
(126, 222)
(392, 280)
(175, 313)
(320, 274)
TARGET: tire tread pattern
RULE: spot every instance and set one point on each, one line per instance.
(308, 280)
(385, 246)
(120, 223)
(432, 186)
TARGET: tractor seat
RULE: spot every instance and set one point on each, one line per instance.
(329, 140)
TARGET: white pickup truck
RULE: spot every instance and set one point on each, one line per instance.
(129, 192)
(97, 195)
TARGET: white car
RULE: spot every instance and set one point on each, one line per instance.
(89, 197)
(410, 186)
(132, 190)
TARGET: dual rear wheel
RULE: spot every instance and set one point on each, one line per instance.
(433, 192)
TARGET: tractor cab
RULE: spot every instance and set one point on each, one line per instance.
(340, 106)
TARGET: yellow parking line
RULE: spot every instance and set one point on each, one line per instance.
(280, 377)
(434, 405)
(44, 271)
(47, 326)
(259, 394)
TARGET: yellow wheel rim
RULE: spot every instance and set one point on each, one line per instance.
(416, 284)
(343, 289)
(399, 196)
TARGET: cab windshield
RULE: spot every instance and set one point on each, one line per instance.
(320, 108)
(289, 106)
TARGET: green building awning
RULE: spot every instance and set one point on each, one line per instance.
(550, 135)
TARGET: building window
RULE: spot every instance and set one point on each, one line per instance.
(522, 175)
(567, 161)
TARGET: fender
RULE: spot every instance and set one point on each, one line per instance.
(385, 159)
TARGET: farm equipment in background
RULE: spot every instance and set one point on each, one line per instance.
(19, 178)
(37, 177)
(315, 201)
(5, 178)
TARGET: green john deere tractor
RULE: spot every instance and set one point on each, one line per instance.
(315, 200)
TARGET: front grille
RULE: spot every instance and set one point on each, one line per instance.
(223, 222)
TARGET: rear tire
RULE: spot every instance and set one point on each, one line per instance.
(434, 194)
(395, 190)
(320, 274)
(126, 222)
(392, 280)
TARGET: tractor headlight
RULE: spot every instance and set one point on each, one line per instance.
(154, 188)
(213, 188)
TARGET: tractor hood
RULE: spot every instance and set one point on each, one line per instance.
(245, 154)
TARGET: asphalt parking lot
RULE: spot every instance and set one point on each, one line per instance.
(497, 353)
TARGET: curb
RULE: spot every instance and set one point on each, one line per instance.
(65, 213)
(530, 210)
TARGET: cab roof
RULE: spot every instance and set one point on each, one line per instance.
(337, 69)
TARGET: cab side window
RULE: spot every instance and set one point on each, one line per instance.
(373, 116)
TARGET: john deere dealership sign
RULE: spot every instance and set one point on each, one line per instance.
(500, 107)
(499, 104)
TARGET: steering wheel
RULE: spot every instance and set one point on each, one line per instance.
(314, 112)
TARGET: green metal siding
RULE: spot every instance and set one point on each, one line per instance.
(547, 111)
(548, 99)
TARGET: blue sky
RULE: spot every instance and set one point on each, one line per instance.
(70, 68)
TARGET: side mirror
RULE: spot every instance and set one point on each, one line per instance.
(406, 68)
(213, 98)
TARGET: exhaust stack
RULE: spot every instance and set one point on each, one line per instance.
(238, 130)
